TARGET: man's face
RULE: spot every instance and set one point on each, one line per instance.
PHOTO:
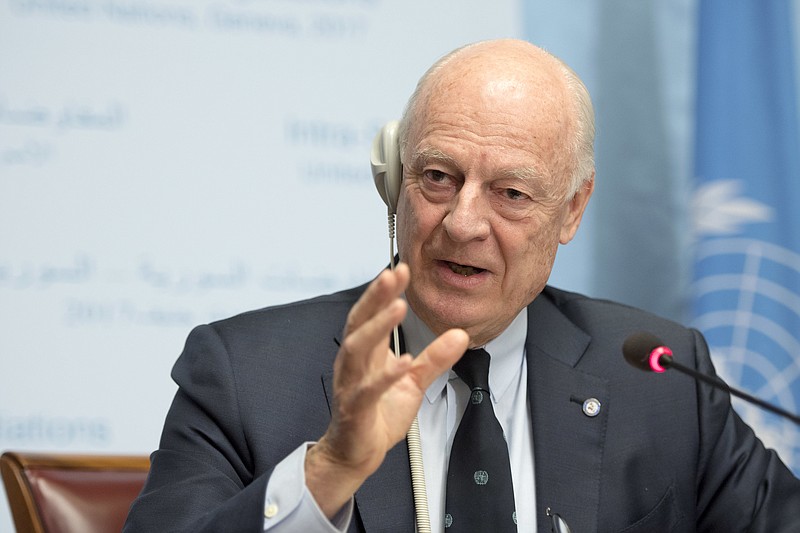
(484, 203)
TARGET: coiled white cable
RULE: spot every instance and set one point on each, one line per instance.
(412, 437)
(418, 478)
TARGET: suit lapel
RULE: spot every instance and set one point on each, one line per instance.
(385, 501)
(567, 442)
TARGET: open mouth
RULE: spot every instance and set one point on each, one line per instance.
(464, 270)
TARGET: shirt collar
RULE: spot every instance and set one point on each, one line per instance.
(506, 351)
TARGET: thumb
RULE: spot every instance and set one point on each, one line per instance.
(439, 356)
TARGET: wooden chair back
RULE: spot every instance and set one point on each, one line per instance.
(65, 493)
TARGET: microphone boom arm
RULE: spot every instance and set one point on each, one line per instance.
(668, 362)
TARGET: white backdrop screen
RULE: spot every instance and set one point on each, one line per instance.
(165, 164)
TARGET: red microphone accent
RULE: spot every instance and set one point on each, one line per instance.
(655, 355)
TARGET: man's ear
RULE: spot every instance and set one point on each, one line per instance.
(575, 210)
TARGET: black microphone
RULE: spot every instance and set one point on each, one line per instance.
(646, 352)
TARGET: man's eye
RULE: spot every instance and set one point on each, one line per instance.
(514, 194)
(435, 175)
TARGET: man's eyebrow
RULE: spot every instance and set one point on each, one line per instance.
(524, 173)
(425, 156)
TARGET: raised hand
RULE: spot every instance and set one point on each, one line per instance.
(376, 396)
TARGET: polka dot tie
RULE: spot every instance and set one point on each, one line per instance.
(480, 493)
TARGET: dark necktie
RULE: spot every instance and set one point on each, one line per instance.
(480, 494)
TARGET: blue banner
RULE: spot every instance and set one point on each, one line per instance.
(746, 208)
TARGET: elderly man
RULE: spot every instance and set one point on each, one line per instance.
(283, 422)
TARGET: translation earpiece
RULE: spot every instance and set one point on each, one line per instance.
(387, 171)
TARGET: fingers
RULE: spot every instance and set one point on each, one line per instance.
(436, 358)
(383, 289)
(362, 359)
(370, 322)
(366, 347)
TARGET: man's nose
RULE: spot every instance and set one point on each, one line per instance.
(468, 215)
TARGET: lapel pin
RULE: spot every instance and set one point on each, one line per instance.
(591, 407)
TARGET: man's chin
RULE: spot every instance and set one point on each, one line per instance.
(443, 312)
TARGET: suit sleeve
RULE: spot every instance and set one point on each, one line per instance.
(202, 476)
(742, 486)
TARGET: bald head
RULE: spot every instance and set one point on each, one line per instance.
(522, 76)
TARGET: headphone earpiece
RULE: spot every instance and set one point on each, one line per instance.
(387, 171)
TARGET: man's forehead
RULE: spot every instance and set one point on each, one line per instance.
(533, 112)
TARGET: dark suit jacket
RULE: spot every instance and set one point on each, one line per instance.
(663, 454)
